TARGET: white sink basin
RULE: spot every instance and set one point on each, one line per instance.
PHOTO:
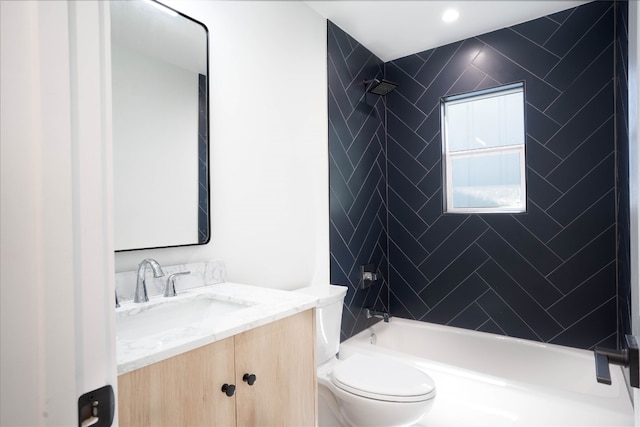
(183, 316)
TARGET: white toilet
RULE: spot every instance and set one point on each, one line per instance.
(362, 390)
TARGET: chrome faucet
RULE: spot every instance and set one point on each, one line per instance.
(384, 315)
(141, 285)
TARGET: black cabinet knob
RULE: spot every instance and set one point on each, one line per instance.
(229, 389)
(249, 378)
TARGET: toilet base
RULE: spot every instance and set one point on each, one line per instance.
(328, 411)
(337, 407)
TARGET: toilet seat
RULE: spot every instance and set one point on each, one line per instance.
(382, 379)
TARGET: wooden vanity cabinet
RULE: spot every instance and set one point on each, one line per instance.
(282, 356)
(186, 390)
(181, 390)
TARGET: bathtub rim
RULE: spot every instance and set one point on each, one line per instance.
(360, 342)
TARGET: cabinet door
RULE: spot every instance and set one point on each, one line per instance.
(181, 391)
(282, 356)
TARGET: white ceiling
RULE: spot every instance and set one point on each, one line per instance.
(393, 29)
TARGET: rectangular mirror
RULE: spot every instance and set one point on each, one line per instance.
(160, 126)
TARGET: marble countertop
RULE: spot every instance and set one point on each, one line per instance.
(263, 305)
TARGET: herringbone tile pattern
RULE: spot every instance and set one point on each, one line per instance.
(357, 177)
(549, 274)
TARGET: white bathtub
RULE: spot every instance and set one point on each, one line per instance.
(490, 380)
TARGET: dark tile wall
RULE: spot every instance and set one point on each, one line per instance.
(547, 275)
(622, 175)
(357, 176)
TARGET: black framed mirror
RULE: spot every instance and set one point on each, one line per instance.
(160, 93)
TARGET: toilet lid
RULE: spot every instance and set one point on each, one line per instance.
(382, 379)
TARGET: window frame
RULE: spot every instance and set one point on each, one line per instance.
(448, 156)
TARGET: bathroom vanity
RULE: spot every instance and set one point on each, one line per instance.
(252, 366)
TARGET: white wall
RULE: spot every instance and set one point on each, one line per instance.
(269, 165)
(269, 179)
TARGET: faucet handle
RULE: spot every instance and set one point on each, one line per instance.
(170, 288)
(603, 374)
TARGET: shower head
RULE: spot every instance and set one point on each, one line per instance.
(380, 87)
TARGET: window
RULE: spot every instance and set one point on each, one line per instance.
(483, 151)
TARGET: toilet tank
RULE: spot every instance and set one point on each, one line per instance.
(328, 319)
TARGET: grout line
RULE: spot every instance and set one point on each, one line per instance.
(564, 193)
(582, 318)
(511, 308)
(581, 249)
(584, 212)
(580, 39)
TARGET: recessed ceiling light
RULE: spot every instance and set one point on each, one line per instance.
(450, 15)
